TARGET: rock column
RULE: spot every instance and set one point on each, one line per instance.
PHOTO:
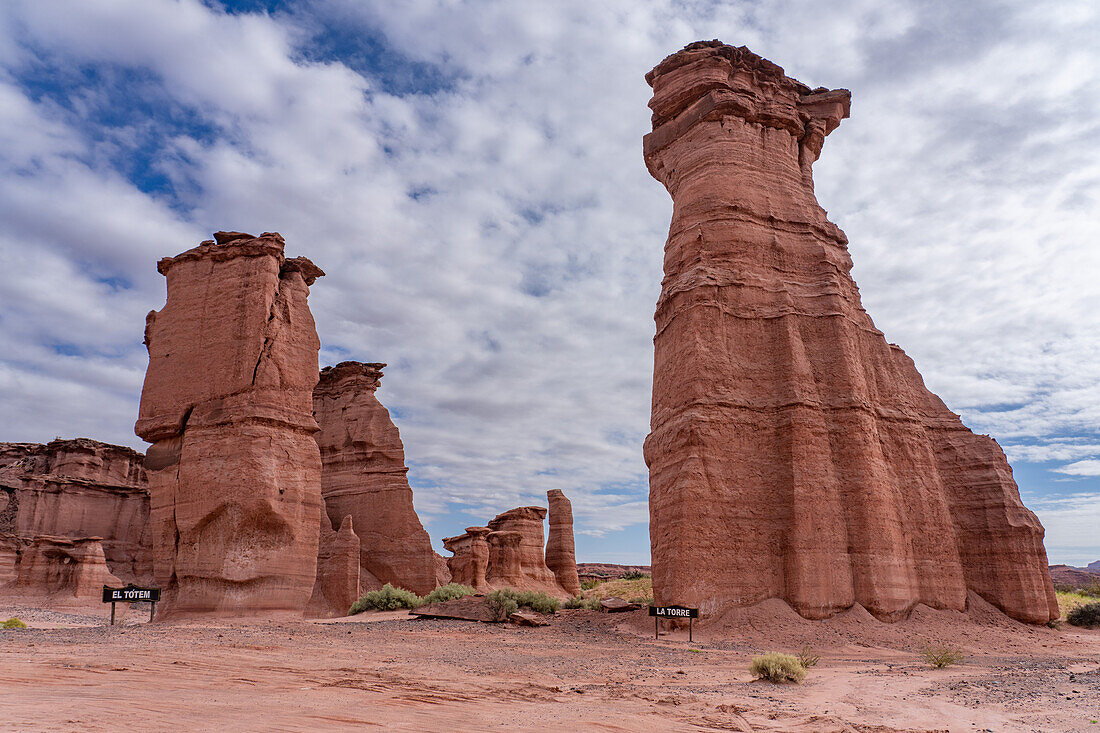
(364, 476)
(561, 556)
(793, 452)
(234, 470)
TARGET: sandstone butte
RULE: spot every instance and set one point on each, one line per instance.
(91, 495)
(509, 552)
(364, 476)
(793, 452)
(234, 470)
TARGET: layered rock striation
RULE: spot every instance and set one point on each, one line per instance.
(364, 476)
(793, 452)
(234, 470)
(75, 490)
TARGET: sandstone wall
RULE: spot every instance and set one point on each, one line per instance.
(75, 489)
(234, 470)
(364, 476)
(793, 452)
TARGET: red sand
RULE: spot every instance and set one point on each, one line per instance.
(587, 671)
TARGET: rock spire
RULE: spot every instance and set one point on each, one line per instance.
(234, 470)
(364, 476)
(793, 452)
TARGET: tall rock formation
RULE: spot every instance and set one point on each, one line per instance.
(793, 452)
(75, 490)
(364, 476)
(522, 553)
(561, 556)
(234, 470)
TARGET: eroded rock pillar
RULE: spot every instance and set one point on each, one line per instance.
(561, 556)
(364, 476)
(793, 452)
(234, 470)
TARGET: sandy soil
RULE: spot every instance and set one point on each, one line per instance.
(587, 671)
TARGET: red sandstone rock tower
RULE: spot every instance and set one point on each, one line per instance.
(234, 471)
(794, 453)
(561, 555)
(365, 477)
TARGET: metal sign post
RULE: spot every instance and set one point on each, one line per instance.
(131, 594)
(660, 612)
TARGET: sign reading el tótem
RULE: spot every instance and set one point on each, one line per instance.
(130, 594)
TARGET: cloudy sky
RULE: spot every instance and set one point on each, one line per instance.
(470, 176)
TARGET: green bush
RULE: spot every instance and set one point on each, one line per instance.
(634, 575)
(387, 599)
(941, 655)
(506, 601)
(776, 667)
(502, 603)
(1087, 616)
(14, 623)
(448, 592)
(590, 584)
(588, 604)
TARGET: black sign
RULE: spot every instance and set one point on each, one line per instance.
(130, 594)
(673, 612)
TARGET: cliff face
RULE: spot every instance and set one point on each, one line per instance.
(791, 446)
(234, 471)
(75, 490)
(364, 476)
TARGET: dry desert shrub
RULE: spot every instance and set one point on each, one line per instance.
(941, 655)
(14, 623)
(776, 667)
(1086, 616)
(807, 657)
(387, 599)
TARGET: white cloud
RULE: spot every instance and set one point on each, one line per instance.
(513, 297)
(1081, 468)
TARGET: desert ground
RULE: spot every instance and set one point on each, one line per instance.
(586, 671)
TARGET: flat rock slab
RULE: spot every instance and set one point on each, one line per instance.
(468, 608)
(615, 604)
(528, 618)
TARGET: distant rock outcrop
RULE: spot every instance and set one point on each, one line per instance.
(364, 475)
(234, 470)
(64, 569)
(75, 490)
(561, 556)
(794, 453)
(469, 563)
(509, 552)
